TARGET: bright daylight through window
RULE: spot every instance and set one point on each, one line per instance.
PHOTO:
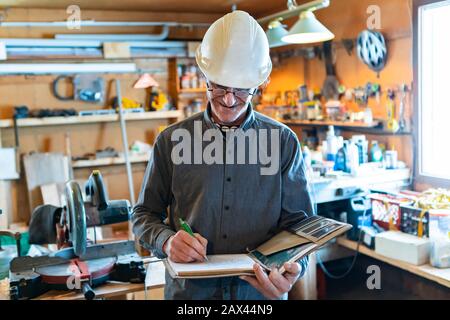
(434, 68)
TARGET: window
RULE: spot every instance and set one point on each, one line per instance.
(432, 82)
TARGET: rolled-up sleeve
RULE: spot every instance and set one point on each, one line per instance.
(296, 201)
(150, 211)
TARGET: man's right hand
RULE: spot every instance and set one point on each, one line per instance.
(184, 248)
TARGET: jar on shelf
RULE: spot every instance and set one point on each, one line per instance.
(193, 78)
(185, 82)
(440, 238)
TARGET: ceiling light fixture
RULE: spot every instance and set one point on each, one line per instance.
(306, 30)
(275, 32)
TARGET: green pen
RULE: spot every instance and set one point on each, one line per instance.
(188, 229)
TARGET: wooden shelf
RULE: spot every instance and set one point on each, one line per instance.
(373, 128)
(194, 90)
(107, 161)
(441, 276)
(54, 121)
(330, 123)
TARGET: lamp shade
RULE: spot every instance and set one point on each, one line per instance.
(308, 30)
(274, 33)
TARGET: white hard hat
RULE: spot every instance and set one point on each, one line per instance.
(235, 52)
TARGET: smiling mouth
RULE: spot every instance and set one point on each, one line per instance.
(227, 107)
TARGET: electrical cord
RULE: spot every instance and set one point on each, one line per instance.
(55, 89)
(319, 260)
(343, 275)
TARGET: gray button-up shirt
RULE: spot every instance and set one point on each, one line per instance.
(233, 204)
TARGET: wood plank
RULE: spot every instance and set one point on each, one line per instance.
(441, 276)
(51, 121)
(193, 90)
(114, 50)
(331, 123)
(106, 290)
(108, 161)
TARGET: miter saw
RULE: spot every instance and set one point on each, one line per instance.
(77, 265)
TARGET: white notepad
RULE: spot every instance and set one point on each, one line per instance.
(221, 264)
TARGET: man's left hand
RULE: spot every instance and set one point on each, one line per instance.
(275, 284)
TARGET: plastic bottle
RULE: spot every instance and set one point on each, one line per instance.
(332, 144)
(352, 158)
(340, 164)
(307, 157)
(376, 154)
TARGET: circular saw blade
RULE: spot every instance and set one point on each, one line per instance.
(76, 217)
(96, 268)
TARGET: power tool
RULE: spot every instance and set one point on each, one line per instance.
(77, 265)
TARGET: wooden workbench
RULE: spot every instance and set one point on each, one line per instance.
(155, 279)
(441, 276)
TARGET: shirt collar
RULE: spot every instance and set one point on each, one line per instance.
(245, 125)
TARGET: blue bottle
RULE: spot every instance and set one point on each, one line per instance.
(340, 163)
(376, 154)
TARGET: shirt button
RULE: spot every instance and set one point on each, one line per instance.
(227, 207)
(228, 179)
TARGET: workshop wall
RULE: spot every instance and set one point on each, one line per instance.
(36, 93)
(346, 19)
(35, 14)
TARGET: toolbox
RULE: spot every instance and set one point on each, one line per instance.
(415, 221)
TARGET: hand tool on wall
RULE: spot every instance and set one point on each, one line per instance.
(77, 260)
(330, 89)
(392, 124)
(88, 88)
(402, 120)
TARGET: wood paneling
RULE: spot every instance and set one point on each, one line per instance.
(256, 7)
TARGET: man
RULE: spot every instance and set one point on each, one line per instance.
(231, 207)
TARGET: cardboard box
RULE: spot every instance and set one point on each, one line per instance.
(386, 209)
(401, 246)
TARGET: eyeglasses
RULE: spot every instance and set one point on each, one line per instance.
(241, 94)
